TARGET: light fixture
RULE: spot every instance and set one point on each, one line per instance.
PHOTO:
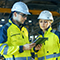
(1, 25)
(31, 36)
(35, 36)
(2, 19)
(30, 21)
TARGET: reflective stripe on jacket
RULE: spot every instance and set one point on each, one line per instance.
(13, 38)
(50, 48)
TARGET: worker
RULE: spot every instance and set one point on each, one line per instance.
(49, 49)
(14, 40)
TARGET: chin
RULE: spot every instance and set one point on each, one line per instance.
(43, 28)
(22, 23)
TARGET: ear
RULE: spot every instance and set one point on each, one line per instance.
(15, 14)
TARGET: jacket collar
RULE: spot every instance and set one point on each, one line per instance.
(20, 26)
(47, 31)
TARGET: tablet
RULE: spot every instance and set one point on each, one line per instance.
(40, 40)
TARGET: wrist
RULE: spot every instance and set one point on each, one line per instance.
(20, 49)
(35, 49)
(23, 48)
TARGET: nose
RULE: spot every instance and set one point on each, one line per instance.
(43, 23)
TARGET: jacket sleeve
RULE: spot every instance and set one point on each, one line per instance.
(4, 48)
(58, 35)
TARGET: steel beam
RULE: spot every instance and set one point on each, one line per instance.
(34, 12)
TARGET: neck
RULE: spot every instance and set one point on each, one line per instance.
(44, 31)
(16, 22)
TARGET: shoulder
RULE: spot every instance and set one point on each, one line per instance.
(26, 28)
(56, 33)
(6, 26)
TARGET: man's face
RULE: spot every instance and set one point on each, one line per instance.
(44, 24)
(20, 17)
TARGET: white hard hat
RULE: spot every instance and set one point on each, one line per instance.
(20, 7)
(46, 15)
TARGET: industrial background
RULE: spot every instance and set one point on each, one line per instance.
(35, 7)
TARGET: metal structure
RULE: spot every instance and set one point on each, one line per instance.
(35, 7)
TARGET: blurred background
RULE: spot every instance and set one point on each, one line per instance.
(35, 7)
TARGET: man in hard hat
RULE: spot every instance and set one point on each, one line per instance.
(14, 44)
(49, 49)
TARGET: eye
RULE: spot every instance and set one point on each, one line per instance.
(45, 21)
(40, 21)
(24, 15)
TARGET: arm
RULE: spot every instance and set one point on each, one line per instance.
(4, 48)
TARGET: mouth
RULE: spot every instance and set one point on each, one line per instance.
(43, 26)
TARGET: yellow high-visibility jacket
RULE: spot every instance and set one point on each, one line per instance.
(12, 40)
(49, 49)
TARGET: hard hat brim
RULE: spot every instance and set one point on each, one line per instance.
(27, 13)
(45, 18)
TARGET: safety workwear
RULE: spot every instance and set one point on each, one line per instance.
(20, 7)
(47, 15)
(28, 46)
(13, 38)
(49, 49)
